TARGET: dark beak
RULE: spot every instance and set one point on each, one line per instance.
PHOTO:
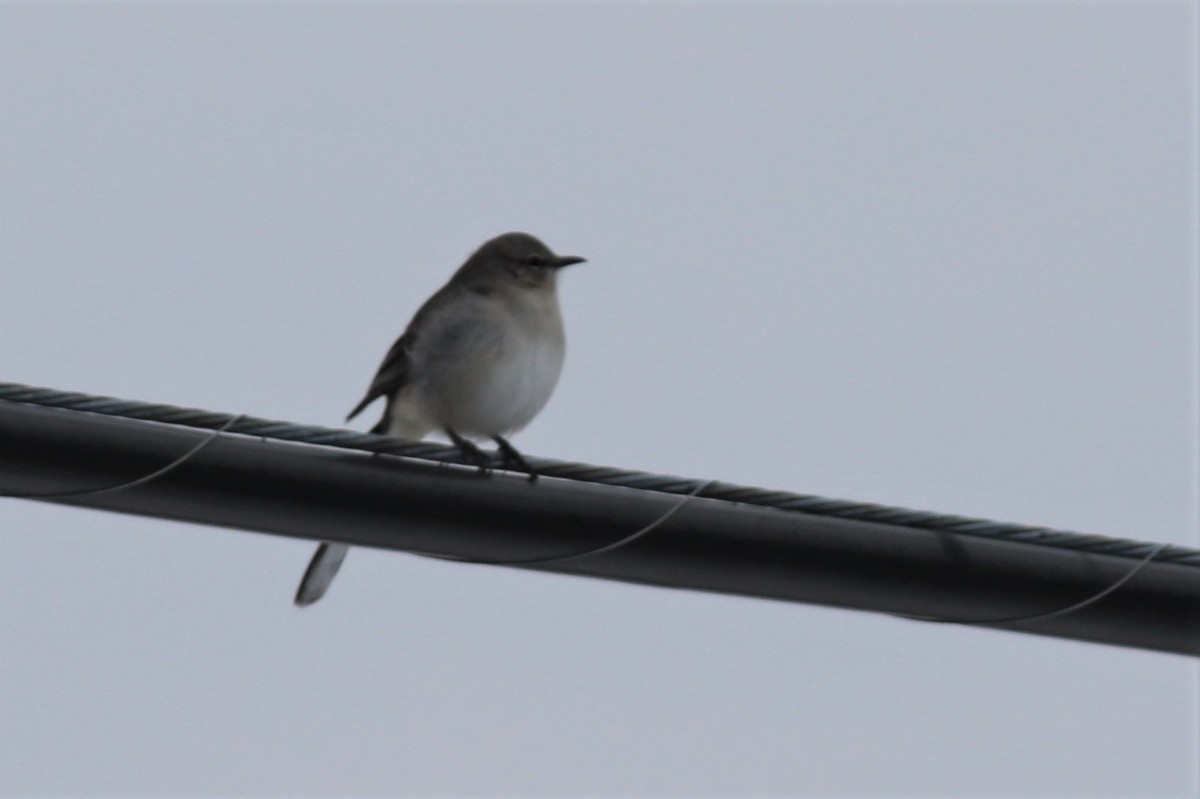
(567, 260)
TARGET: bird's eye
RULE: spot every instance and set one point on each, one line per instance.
(535, 260)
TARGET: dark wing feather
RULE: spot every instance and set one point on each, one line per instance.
(391, 377)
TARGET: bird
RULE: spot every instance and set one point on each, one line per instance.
(479, 360)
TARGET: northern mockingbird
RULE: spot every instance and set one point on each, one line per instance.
(478, 360)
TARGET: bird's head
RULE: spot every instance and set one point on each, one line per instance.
(518, 257)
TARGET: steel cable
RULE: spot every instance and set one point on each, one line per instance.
(589, 473)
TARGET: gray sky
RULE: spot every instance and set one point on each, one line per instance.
(938, 255)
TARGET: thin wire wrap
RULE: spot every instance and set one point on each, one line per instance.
(585, 553)
(605, 475)
(1048, 614)
(136, 481)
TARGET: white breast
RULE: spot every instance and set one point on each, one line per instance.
(514, 390)
(492, 370)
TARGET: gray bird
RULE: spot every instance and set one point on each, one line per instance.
(478, 360)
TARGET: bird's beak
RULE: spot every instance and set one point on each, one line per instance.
(567, 260)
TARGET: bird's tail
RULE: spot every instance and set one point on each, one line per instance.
(320, 572)
(328, 558)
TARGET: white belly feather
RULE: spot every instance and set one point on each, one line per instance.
(509, 391)
(488, 372)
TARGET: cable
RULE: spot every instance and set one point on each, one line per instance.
(751, 542)
(604, 475)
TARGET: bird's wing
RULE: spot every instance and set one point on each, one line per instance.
(392, 375)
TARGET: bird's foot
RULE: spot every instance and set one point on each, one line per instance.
(471, 453)
(514, 459)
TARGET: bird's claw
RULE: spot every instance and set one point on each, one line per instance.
(472, 453)
(514, 459)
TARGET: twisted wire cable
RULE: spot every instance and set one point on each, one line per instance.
(604, 475)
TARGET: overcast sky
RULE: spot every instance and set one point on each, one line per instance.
(938, 255)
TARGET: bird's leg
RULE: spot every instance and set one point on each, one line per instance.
(514, 458)
(471, 452)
